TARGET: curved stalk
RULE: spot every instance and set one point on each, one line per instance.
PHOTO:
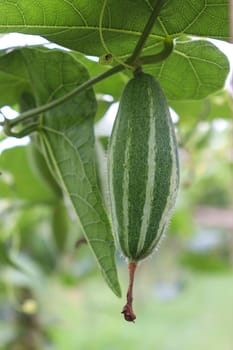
(32, 127)
(167, 50)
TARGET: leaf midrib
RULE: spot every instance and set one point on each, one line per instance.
(94, 28)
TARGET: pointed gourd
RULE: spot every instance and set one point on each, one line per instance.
(143, 168)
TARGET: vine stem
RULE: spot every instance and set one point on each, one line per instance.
(146, 32)
(127, 311)
(87, 84)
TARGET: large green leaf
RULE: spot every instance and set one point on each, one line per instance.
(208, 18)
(68, 141)
(194, 70)
(66, 134)
(76, 24)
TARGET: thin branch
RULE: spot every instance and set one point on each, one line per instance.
(87, 84)
(146, 32)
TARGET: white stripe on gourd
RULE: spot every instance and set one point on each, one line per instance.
(150, 177)
(125, 202)
(173, 193)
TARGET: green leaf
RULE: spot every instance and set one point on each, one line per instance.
(218, 105)
(39, 166)
(194, 70)
(17, 180)
(208, 18)
(67, 138)
(14, 79)
(76, 24)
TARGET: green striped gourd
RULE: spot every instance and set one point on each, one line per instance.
(143, 167)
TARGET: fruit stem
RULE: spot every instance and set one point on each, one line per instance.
(127, 311)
